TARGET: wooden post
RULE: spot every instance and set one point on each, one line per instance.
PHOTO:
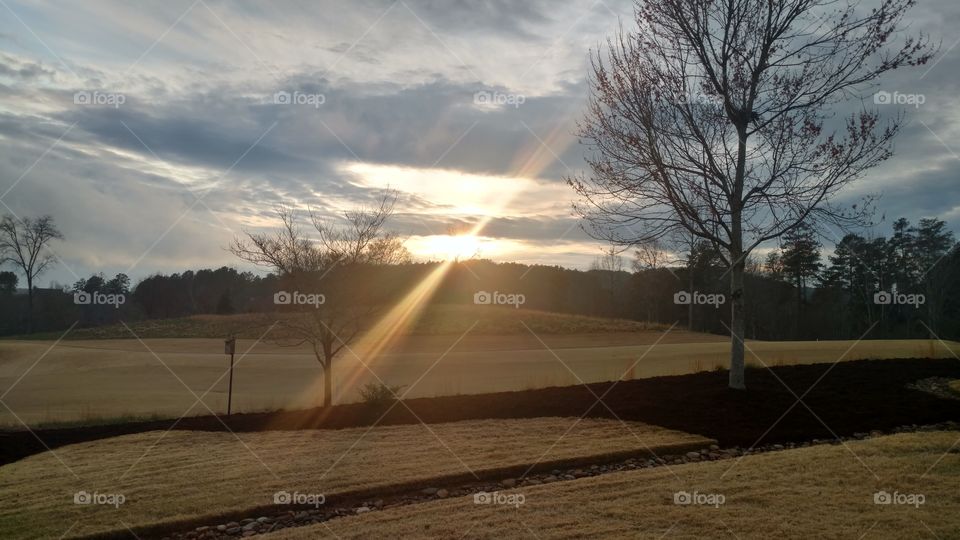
(229, 347)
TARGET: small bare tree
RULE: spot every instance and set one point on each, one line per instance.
(711, 118)
(22, 243)
(330, 266)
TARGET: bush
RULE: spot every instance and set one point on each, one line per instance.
(376, 393)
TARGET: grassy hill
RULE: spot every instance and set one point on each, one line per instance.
(435, 320)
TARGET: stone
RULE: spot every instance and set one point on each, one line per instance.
(442, 493)
(362, 510)
(693, 455)
(508, 482)
(429, 491)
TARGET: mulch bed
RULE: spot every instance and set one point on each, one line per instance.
(852, 397)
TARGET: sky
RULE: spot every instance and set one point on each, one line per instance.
(156, 132)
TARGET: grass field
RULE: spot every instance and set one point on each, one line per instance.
(181, 475)
(91, 381)
(434, 320)
(817, 492)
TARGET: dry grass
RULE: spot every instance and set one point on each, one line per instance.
(190, 474)
(99, 380)
(819, 492)
(435, 320)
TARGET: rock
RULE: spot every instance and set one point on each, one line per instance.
(693, 455)
(442, 493)
(203, 529)
(508, 482)
(379, 502)
(555, 472)
(233, 530)
(533, 482)
(579, 473)
(551, 478)
(248, 533)
(264, 519)
(714, 447)
(429, 491)
(362, 510)
(299, 516)
(246, 521)
(569, 477)
(221, 528)
(778, 447)
(251, 526)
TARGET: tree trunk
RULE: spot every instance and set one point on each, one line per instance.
(327, 384)
(737, 375)
(327, 374)
(690, 305)
(29, 304)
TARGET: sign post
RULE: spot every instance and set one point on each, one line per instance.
(229, 346)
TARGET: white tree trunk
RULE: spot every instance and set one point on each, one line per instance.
(737, 376)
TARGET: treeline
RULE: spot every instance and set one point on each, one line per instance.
(907, 285)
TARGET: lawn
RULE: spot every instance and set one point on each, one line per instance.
(184, 475)
(97, 380)
(435, 320)
(816, 492)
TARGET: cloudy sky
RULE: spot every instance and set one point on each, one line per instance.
(155, 132)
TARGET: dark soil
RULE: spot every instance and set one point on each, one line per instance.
(850, 397)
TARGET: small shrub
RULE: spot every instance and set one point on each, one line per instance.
(377, 393)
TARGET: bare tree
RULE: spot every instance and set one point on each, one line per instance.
(330, 266)
(22, 243)
(711, 117)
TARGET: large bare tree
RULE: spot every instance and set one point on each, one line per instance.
(332, 265)
(717, 117)
(22, 243)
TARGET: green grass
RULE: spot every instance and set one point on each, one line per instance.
(435, 320)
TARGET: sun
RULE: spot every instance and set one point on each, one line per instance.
(448, 247)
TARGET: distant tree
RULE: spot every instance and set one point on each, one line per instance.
(773, 265)
(224, 305)
(800, 261)
(307, 265)
(711, 117)
(8, 283)
(932, 241)
(22, 242)
(120, 284)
